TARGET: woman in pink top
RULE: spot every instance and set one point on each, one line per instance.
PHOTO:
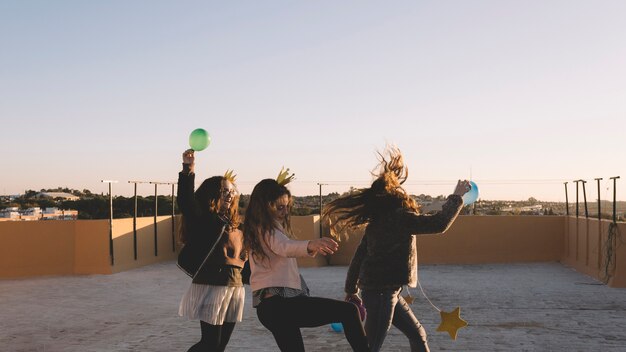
(279, 292)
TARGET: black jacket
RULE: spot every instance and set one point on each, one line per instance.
(202, 229)
(387, 254)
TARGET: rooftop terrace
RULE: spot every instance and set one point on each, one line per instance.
(509, 307)
(523, 283)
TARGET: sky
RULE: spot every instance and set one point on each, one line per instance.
(519, 96)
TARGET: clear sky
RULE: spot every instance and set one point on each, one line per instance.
(520, 95)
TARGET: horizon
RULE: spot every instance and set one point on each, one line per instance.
(572, 197)
(518, 96)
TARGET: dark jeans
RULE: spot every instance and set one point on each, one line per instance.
(285, 316)
(386, 307)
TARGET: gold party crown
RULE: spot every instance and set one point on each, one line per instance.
(229, 176)
(284, 177)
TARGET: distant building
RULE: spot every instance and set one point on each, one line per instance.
(36, 213)
(529, 209)
(58, 195)
(10, 214)
(9, 197)
(57, 214)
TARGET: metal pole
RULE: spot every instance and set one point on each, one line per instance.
(599, 204)
(156, 211)
(321, 204)
(111, 223)
(173, 220)
(566, 201)
(135, 219)
(614, 197)
(585, 198)
(135, 225)
(111, 254)
(576, 197)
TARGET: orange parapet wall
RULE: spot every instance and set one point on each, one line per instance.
(482, 239)
(91, 247)
(307, 228)
(36, 248)
(68, 247)
(124, 241)
(591, 248)
(55, 247)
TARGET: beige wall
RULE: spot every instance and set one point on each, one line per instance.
(91, 249)
(123, 247)
(36, 248)
(55, 247)
(307, 228)
(482, 239)
(82, 246)
(586, 249)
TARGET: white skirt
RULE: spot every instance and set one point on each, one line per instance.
(213, 304)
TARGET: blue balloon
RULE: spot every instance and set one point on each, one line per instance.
(471, 196)
(337, 327)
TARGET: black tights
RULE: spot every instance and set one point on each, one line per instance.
(214, 337)
(285, 316)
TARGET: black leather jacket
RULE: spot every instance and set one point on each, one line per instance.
(202, 229)
(387, 254)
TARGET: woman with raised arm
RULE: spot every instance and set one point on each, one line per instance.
(213, 248)
(280, 294)
(386, 258)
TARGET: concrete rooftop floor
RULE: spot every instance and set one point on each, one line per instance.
(509, 307)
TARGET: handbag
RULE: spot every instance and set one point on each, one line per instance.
(187, 261)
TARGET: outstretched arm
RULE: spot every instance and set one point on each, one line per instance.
(284, 246)
(438, 223)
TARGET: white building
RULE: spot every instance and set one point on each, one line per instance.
(58, 195)
(57, 214)
(37, 213)
(10, 213)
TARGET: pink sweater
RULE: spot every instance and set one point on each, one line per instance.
(280, 269)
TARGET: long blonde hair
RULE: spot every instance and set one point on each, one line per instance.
(364, 205)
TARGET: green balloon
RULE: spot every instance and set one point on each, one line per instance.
(199, 139)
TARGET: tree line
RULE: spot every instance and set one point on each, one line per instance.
(96, 206)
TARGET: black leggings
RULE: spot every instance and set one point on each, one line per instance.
(214, 337)
(285, 316)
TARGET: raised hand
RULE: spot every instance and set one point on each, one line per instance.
(189, 157)
(462, 187)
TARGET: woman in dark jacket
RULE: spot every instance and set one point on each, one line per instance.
(386, 258)
(211, 220)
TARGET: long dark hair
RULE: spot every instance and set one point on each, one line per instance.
(259, 220)
(208, 199)
(365, 205)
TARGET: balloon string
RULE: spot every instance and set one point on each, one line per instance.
(424, 294)
(417, 277)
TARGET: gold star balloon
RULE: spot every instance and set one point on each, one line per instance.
(451, 322)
